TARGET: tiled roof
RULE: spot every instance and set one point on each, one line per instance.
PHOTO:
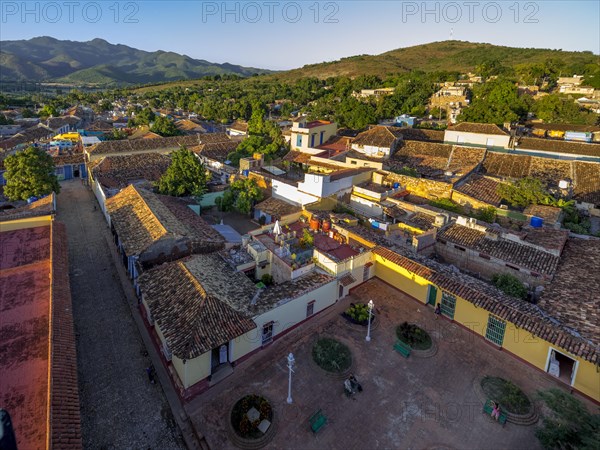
(276, 207)
(347, 280)
(192, 318)
(482, 128)
(550, 171)
(42, 207)
(118, 172)
(464, 159)
(428, 158)
(527, 316)
(55, 123)
(422, 220)
(572, 295)
(556, 146)
(500, 248)
(189, 126)
(29, 135)
(481, 188)
(239, 126)
(145, 145)
(281, 293)
(378, 136)
(587, 182)
(420, 148)
(563, 127)
(297, 157)
(217, 151)
(422, 134)
(550, 214)
(141, 218)
(506, 165)
(61, 160)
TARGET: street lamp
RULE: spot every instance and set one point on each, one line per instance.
(371, 305)
(290, 361)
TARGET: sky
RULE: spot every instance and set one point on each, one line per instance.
(282, 35)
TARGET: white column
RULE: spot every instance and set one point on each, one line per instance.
(290, 361)
(371, 305)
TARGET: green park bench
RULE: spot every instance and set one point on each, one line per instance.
(402, 348)
(488, 408)
(317, 421)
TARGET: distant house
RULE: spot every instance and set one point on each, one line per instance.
(64, 124)
(307, 135)
(275, 209)
(188, 126)
(67, 167)
(238, 128)
(378, 142)
(477, 135)
(379, 92)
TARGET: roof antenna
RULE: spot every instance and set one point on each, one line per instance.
(451, 33)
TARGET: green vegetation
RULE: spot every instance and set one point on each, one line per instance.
(115, 135)
(331, 355)
(570, 426)
(267, 279)
(510, 285)
(358, 313)
(307, 240)
(239, 417)
(575, 221)
(142, 117)
(408, 171)
(5, 121)
(185, 176)
(557, 108)
(523, 192)
(29, 173)
(447, 204)
(414, 336)
(165, 127)
(241, 196)
(486, 214)
(507, 394)
(496, 101)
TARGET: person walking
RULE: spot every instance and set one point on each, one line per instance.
(437, 311)
(150, 372)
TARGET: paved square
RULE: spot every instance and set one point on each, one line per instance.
(421, 403)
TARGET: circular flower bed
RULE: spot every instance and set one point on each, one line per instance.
(331, 355)
(244, 422)
(358, 313)
(511, 398)
(416, 337)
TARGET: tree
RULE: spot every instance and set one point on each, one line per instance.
(524, 192)
(571, 426)
(165, 127)
(242, 195)
(144, 117)
(48, 111)
(5, 121)
(496, 101)
(30, 173)
(185, 176)
(555, 108)
(510, 285)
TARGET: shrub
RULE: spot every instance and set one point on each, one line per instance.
(331, 355)
(487, 214)
(508, 394)
(510, 285)
(447, 204)
(239, 420)
(414, 336)
(359, 313)
(267, 279)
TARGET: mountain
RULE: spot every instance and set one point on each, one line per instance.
(447, 55)
(100, 62)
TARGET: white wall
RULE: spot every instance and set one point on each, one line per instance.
(479, 139)
(289, 193)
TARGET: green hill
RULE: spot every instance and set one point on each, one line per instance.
(100, 62)
(447, 55)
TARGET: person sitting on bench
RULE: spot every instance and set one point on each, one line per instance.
(354, 383)
(495, 410)
(348, 387)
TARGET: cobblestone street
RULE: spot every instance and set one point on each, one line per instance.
(120, 408)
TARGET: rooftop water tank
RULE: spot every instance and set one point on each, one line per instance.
(536, 222)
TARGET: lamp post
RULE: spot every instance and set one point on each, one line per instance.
(290, 361)
(371, 305)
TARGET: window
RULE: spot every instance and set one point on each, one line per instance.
(458, 247)
(322, 136)
(448, 305)
(484, 256)
(352, 162)
(512, 267)
(299, 140)
(312, 140)
(495, 330)
(442, 241)
(489, 142)
(366, 272)
(310, 308)
(267, 333)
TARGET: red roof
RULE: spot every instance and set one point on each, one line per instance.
(317, 123)
(35, 302)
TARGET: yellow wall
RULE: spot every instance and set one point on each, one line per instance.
(193, 370)
(516, 340)
(30, 222)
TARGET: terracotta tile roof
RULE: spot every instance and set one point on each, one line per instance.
(297, 157)
(345, 173)
(30, 135)
(217, 151)
(142, 218)
(55, 123)
(429, 159)
(61, 160)
(189, 126)
(572, 295)
(336, 144)
(118, 172)
(482, 189)
(42, 207)
(422, 134)
(587, 182)
(503, 249)
(145, 145)
(529, 317)
(423, 148)
(37, 355)
(284, 292)
(422, 220)
(482, 128)
(99, 125)
(549, 238)
(550, 171)
(347, 280)
(563, 127)
(556, 146)
(378, 136)
(506, 165)
(465, 159)
(550, 214)
(192, 317)
(276, 207)
(239, 126)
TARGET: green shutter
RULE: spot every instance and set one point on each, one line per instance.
(495, 330)
(448, 305)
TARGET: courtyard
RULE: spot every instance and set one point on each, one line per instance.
(420, 402)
